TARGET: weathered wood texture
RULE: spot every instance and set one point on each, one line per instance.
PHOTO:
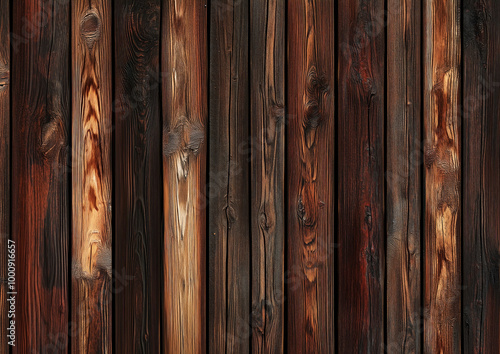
(311, 176)
(40, 199)
(184, 98)
(361, 176)
(442, 176)
(4, 165)
(403, 177)
(91, 175)
(267, 143)
(138, 177)
(481, 170)
(229, 179)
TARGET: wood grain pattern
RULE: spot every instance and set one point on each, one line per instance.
(91, 175)
(229, 180)
(4, 165)
(481, 170)
(184, 98)
(442, 176)
(267, 89)
(40, 199)
(138, 176)
(311, 179)
(361, 176)
(403, 177)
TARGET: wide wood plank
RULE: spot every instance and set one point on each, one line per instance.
(311, 178)
(91, 176)
(361, 176)
(184, 103)
(442, 176)
(481, 171)
(40, 199)
(138, 178)
(403, 177)
(229, 179)
(267, 89)
(4, 166)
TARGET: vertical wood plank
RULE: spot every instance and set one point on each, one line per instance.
(361, 176)
(311, 180)
(403, 177)
(442, 176)
(138, 178)
(40, 199)
(229, 178)
(267, 90)
(91, 175)
(184, 98)
(4, 166)
(481, 168)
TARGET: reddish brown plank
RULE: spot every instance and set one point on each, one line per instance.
(481, 171)
(184, 109)
(229, 178)
(442, 176)
(4, 168)
(91, 176)
(310, 168)
(138, 179)
(403, 177)
(267, 88)
(361, 176)
(40, 200)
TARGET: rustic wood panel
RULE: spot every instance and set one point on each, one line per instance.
(138, 177)
(481, 167)
(229, 179)
(267, 92)
(311, 178)
(361, 176)
(40, 199)
(4, 165)
(91, 175)
(184, 97)
(403, 177)
(442, 176)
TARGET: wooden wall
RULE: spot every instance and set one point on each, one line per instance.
(236, 176)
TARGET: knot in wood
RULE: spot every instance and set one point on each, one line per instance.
(90, 28)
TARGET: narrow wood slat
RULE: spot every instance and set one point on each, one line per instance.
(229, 178)
(91, 174)
(267, 90)
(40, 151)
(184, 98)
(361, 176)
(311, 179)
(403, 177)
(481, 171)
(138, 177)
(4, 167)
(442, 176)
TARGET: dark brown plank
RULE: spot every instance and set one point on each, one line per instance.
(481, 171)
(40, 199)
(361, 176)
(442, 176)
(267, 71)
(229, 179)
(311, 179)
(91, 176)
(4, 167)
(138, 178)
(404, 157)
(184, 98)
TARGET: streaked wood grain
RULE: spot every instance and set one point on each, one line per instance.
(91, 176)
(184, 108)
(310, 176)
